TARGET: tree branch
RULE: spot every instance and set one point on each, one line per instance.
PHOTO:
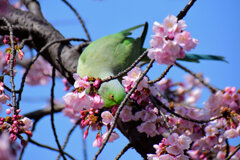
(34, 7)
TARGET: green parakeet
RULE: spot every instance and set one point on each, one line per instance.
(108, 56)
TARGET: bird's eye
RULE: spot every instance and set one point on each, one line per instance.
(111, 97)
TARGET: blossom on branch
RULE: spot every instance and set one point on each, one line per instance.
(170, 41)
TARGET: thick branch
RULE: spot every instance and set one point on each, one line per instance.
(42, 33)
(33, 6)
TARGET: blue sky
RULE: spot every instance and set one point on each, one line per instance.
(214, 23)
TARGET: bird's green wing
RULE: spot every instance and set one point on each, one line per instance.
(108, 56)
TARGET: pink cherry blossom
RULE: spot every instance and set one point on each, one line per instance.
(181, 157)
(126, 114)
(27, 123)
(107, 117)
(170, 24)
(97, 83)
(112, 137)
(170, 41)
(158, 28)
(78, 101)
(231, 133)
(173, 139)
(5, 148)
(184, 141)
(8, 111)
(4, 98)
(149, 116)
(167, 54)
(85, 133)
(20, 54)
(79, 82)
(211, 130)
(39, 73)
(194, 154)
(193, 96)
(98, 101)
(195, 113)
(152, 157)
(166, 157)
(98, 141)
(174, 150)
(1, 86)
(149, 128)
(184, 40)
(157, 41)
(221, 155)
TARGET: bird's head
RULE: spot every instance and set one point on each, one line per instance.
(112, 93)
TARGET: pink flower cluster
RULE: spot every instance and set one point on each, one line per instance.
(142, 92)
(16, 125)
(85, 104)
(208, 139)
(107, 120)
(6, 40)
(40, 73)
(3, 97)
(171, 148)
(7, 152)
(3, 64)
(99, 139)
(170, 41)
(83, 98)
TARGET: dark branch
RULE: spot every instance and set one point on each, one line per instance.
(162, 75)
(13, 54)
(48, 147)
(212, 89)
(129, 145)
(234, 152)
(68, 136)
(79, 18)
(52, 114)
(185, 9)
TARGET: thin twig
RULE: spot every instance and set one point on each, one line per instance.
(126, 70)
(163, 116)
(79, 18)
(24, 147)
(180, 116)
(162, 75)
(84, 146)
(9, 89)
(212, 89)
(13, 54)
(121, 106)
(68, 136)
(50, 148)
(232, 154)
(24, 41)
(129, 145)
(52, 114)
(24, 78)
(183, 12)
